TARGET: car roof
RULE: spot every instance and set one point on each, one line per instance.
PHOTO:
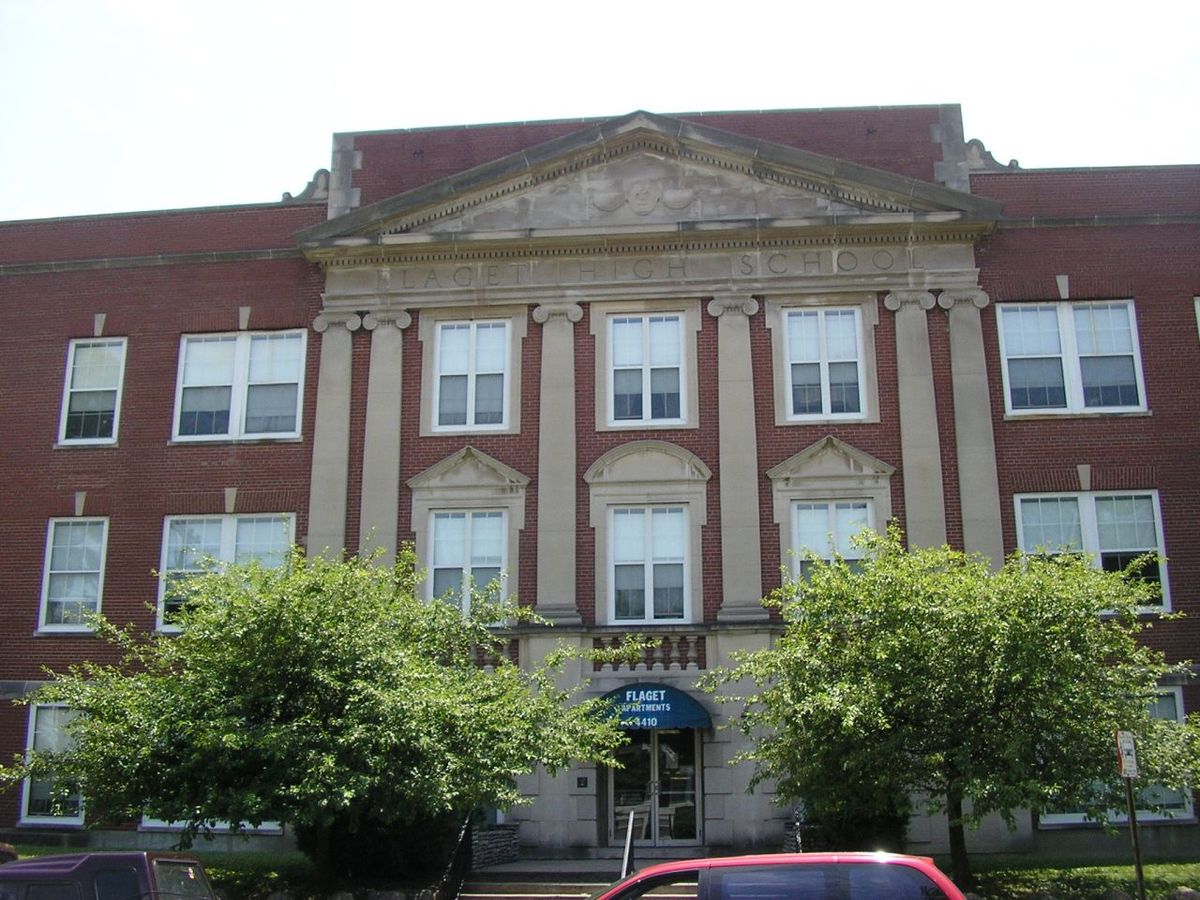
(66, 864)
(780, 859)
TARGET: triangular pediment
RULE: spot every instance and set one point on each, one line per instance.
(642, 174)
(831, 461)
(469, 470)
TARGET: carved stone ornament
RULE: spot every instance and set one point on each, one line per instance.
(351, 321)
(398, 317)
(732, 303)
(317, 189)
(642, 197)
(897, 299)
(949, 299)
(571, 312)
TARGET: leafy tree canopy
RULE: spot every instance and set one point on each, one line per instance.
(923, 671)
(322, 694)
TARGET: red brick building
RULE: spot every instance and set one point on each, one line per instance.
(708, 339)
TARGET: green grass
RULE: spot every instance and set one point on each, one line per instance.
(1015, 877)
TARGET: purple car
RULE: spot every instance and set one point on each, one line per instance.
(122, 875)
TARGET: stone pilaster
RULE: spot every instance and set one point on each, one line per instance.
(920, 447)
(331, 436)
(741, 556)
(556, 463)
(380, 508)
(979, 486)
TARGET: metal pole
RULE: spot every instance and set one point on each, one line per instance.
(627, 860)
(1133, 834)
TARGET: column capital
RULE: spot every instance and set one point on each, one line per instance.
(742, 304)
(949, 299)
(398, 317)
(567, 310)
(897, 299)
(351, 321)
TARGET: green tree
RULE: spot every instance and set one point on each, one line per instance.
(322, 694)
(924, 672)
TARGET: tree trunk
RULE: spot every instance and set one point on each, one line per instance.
(323, 856)
(960, 864)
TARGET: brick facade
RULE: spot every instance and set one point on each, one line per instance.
(881, 204)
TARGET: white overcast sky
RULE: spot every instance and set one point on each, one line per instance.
(119, 105)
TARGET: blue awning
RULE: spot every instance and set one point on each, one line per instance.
(646, 705)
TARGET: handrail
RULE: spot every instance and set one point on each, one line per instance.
(459, 864)
(627, 858)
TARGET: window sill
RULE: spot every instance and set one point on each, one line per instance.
(1045, 415)
(830, 420)
(456, 430)
(647, 426)
(85, 445)
(64, 631)
(72, 824)
(224, 439)
(1142, 820)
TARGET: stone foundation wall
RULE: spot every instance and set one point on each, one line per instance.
(493, 845)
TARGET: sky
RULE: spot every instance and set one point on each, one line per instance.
(123, 105)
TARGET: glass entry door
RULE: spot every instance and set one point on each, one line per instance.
(658, 784)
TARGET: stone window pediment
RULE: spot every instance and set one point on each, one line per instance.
(470, 470)
(657, 490)
(827, 476)
(647, 462)
(470, 483)
(833, 463)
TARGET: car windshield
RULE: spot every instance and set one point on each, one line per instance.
(177, 878)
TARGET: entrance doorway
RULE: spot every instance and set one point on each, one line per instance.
(659, 783)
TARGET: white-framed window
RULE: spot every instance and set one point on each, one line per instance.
(825, 528)
(824, 351)
(91, 404)
(73, 579)
(191, 544)
(148, 823)
(1114, 527)
(42, 801)
(1071, 357)
(649, 567)
(1175, 805)
(239, 386)
(646, 377)
(472, 375)
(468, 550)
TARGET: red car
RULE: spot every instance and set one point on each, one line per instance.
(791, 876)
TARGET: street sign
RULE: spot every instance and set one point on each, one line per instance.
(1127, 754)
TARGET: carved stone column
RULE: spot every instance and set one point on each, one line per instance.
(331, 436)
(920, 446)
(381, 447)
(979, 485)
(741, 538)
(556, 463)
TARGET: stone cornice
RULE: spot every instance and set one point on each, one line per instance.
(827, 231)
(1095, 221)
(141, 262)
